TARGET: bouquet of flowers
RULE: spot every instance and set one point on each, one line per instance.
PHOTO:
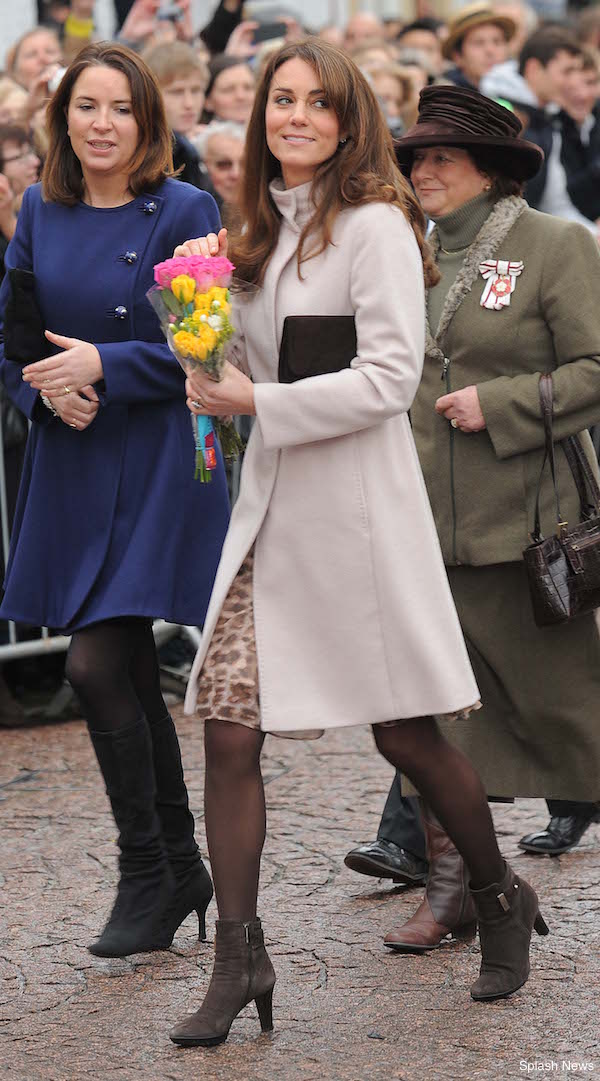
(192, 300)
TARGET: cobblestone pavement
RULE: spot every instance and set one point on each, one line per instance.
(345, 1008)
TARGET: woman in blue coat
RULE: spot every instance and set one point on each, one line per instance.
(111, 529)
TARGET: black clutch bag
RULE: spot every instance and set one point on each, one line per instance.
(24, 339)
(316, 345)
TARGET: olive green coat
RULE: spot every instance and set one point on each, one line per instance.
(482, 484)
(538, 733)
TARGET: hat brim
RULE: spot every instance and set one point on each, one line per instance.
(517, 158)
(451, 43)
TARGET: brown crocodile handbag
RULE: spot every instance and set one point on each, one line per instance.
(564, 570)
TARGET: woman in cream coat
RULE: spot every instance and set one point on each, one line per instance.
(331, 574)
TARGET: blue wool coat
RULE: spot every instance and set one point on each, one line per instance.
(110, 521)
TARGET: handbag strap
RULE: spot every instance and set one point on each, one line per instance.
(547, 409)
(583, 475)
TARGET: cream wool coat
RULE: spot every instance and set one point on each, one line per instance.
(354, 618)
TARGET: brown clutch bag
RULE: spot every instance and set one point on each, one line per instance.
(316, 345)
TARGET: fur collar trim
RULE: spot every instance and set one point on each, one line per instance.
(489, 238)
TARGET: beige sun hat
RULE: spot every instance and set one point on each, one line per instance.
(471, 16)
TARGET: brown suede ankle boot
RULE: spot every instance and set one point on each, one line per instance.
(447, 905)
(507, 911)
(242, 972)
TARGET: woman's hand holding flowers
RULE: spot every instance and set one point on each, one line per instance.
(462, 409)
(77, 367)
(213, 244)
(232, 395)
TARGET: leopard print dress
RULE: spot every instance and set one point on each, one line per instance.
(228, 688)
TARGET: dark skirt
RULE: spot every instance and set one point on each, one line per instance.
(538, 733)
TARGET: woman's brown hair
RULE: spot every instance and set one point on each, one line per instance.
(62, 179)
(363, 170)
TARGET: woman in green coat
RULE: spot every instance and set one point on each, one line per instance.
(517, 296)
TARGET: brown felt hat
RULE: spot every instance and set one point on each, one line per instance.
(468, 18)
(455, 116)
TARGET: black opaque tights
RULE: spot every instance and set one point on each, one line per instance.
(113, 669)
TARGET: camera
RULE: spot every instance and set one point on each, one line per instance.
(169, 10)
(268, 32)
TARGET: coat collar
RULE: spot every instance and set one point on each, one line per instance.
(489, 238)
(294, 204)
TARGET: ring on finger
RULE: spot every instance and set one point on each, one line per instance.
(72, 424)
(454, 422)
(67, 390)
(198, 403)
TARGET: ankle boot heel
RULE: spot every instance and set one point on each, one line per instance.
(465, 933)
(264, 1005)
(540, 925)
(201, 914)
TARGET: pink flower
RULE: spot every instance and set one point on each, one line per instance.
(205, 272)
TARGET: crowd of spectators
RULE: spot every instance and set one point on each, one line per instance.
(546, 70)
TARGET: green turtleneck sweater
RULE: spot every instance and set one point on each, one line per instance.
(457, 231)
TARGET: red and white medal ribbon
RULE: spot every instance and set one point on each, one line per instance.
(500, 280)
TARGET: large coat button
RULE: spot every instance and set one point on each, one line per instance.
(120, 312)
(149, 206)
(130, 257)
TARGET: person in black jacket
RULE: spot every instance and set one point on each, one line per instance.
(581, 137)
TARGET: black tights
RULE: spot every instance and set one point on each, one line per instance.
(113, 669)
(235, 804)
(451, 786)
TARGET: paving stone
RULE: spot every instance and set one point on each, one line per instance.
(346, 1009)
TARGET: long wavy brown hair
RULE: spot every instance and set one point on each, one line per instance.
(363, 170)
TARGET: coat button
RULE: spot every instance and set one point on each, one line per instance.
(130, 257)
(149, 206)
(120, 312)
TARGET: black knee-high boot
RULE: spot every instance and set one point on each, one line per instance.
(147, 885)
(193, 884)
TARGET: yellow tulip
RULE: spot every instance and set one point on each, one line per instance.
(184, 288)
(219, 294)
(207, 336)
(185, 343)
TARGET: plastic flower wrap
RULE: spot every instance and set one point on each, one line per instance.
(192, 300)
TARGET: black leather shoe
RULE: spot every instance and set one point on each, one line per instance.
(384, 859)
(561, 834)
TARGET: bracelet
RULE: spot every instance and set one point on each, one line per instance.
(49, 405)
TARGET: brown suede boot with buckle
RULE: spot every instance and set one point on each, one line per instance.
(242, 972)
(508, 911)
(447, 906)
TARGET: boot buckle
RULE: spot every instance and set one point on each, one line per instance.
(503, 902)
